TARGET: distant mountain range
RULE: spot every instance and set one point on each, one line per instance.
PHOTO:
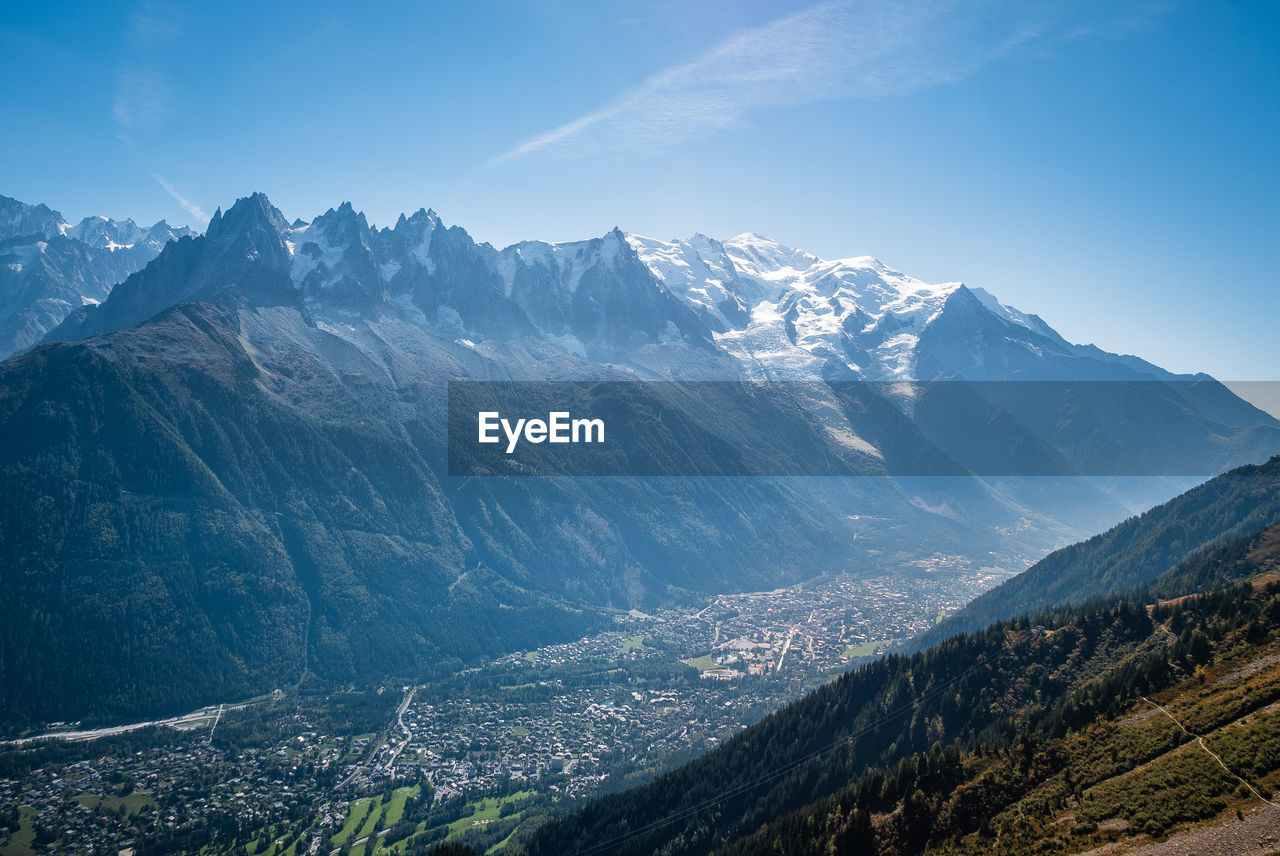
(777, 312)
(235, 459)
(49, 267)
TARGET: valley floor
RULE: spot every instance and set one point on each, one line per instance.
(480, 757)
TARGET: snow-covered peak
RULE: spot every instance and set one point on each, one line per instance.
(342, 225)
(48, 268)
(684, 266)
(799, 316)
(1014, 316)
(863, 279)
(700, 271)
(423, 217)
(746, 307)
(334, 247)
(563, 263)
(785, 312)
(18, 218)
(107, 233)
(764, 257)
(411, 237)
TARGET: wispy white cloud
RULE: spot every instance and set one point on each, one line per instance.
(143, 94)
(141, 100)
(156, 25)
(191, 208)
(834, 50)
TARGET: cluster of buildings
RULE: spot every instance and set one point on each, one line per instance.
(110, 803)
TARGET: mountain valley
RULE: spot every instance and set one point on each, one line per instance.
(235, 544)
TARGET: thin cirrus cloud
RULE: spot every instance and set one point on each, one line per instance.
(143, 93)
(831, 51)
(190, 207)
(141, 100)
(155, 25)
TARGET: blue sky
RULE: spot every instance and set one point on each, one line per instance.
(1110, 166)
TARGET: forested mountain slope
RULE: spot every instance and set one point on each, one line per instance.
(1133, 552)
(1189, 740)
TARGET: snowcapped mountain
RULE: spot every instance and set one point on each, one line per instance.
(700, 309)
(18, 218)
(784, 313)
(794, 315)
(106, 234)
(49, 267)
(747, 307)
(589, 298)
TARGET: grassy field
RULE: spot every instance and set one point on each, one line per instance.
(1140, 776)
(19, 844)
(355, 816)
(395, 808)
(632, 644)
(132, 804)
(703, 663)
(503, 843)
(862, 649)
(485, 810)
(478, 815)
(259, 848)
(373, 820)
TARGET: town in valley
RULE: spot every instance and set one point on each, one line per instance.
(475, 757)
